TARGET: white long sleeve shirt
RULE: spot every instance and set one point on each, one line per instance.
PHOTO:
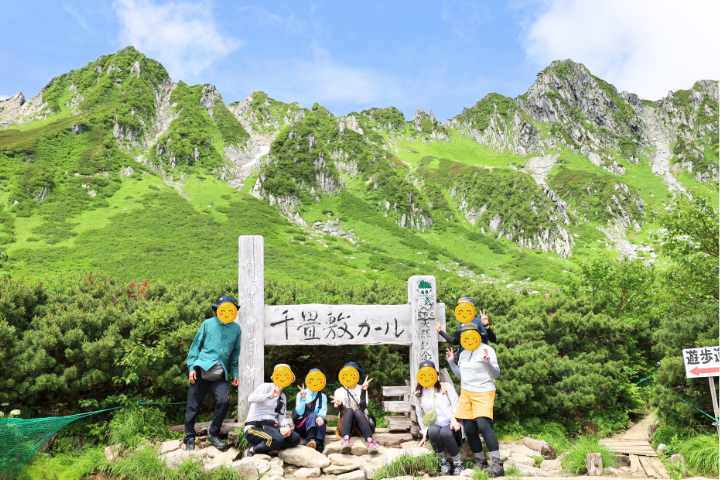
(263, 405)
(476, 375)
(445, 406)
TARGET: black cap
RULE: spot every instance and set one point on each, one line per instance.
(427, 363)
(465, 327)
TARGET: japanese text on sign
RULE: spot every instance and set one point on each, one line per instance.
(702, 362)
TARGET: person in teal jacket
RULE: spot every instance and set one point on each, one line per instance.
(213, 355)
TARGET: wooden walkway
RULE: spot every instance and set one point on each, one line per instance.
(634, 443)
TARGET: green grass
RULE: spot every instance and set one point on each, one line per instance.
(136, 425)
(575, 462)
(701, 454)
(408, 465)
(63, 466)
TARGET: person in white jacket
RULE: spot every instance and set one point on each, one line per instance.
(445, 433)
(266, 427)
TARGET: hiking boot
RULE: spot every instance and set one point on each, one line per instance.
(190, 444)
(372, 446)
(481, 464)
(458, 468)
(345, 445)
(248, 452)
(216, 442)
(312, 444)
(445, 468)
(320, 446)
(496, 469)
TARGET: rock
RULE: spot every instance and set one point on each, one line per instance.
(548, 451)
(612, 471)
(534, 444)
(343, 459)
(246, 469)
(523, 450)
(45, 447)
(356, 475)
(304, 457)
(170, 446)
(177, 457)
(306, 473)
(504, 454)
(372, 469)
(332, 447)
(261, 464)
(551, 465)
(211, 452)
(359, 446)
(522, 460)
(267, 458)
(661, 449)
(225, 458)
(528, 471)
(338, 469)
(113, 452)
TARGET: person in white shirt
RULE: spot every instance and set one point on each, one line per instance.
(266, 427)
(445, 433)
(351, 400)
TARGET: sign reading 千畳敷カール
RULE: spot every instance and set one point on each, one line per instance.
(702, 362)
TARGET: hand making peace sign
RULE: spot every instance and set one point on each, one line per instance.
(303, 392)
(367, 383)
(484, 318)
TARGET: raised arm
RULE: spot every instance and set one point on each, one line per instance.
(451, 362)
(444, 334)
(489, 359)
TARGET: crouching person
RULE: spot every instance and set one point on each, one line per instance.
(214, 353)
(266, 427)
(310, 410)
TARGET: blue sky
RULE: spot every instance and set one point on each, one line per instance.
(347, 56)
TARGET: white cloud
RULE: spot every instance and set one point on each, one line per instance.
(644, 46)
(183, 36)
(79, 19)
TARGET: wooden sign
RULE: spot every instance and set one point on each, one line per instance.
(702, 362)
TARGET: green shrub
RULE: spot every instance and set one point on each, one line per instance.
(575, 461)
(701, 454)
(137, 424)
(300, 238)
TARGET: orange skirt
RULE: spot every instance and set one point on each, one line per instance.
(475, 404)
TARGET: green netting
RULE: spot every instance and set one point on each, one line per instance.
(21, 437)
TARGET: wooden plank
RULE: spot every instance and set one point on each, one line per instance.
(634, 464)
(395, 391)
(251, 301)
(649, 468)
(659, 467)
(625, 443)
(397, 407)
(202, 427)
(338, 325)
(398, 423)
(413, 416)
(423, 302)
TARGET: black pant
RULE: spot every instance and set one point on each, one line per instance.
(266, 437)
(444, 438)
(196, 393)
(483, 426)
(355, 417)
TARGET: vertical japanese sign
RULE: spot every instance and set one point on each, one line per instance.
(422, 296)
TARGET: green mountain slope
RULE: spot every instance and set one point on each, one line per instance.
(114, 167)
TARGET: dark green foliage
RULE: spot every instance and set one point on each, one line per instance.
(232, 131)
(576, 458)
(383, 117)
(478, 116)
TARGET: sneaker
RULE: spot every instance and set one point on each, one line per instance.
(372, 446)
(445, 468)
(481, 464)
(248, 452)
(312, 444)
(345, 445)
(458, 468)
(496, 469)
(320, 446)
(216, 442)
(190, 444)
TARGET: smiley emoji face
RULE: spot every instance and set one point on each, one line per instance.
(470, 340)
(464, 312)
(315, 380)
(226, 312)
(427, 376)
(349, 377)
(282, 376)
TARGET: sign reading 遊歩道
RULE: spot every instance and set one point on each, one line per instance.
(411, 324)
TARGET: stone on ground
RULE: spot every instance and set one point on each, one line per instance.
(504, 454)
(170, 446)
(548, 451)
(177, 457)
(262, 456)
(261, 464)
(371, 469)
(534, 444)
(612, 471)
(522, 460)
(307, 473)
(276, 466)
(356, 475)
(225, 458)
(332, 447)
(528, 471)
(211, 452)
(113, 452)
(359, 446)
(524, 450)
(338, 469)
(551, 465)
(246, 469)
(342, 459)
(304, 457)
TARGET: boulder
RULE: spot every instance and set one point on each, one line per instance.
(225, 458)
(113, 452)
(534, 444)
(171, 446)
(332, 447)
(261, 464)
(371, 470)
(177, 457)
(211, 452)
(306, 473)
(246, 469)
(304, 457)
(528, 471)
(504, 454)
(338, 469)
(548, 451)
(551, 465)
(521, 460)
(356, 475)
(343, 459)
(262, 456)
(359, 446)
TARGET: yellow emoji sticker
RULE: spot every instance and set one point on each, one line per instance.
(226, 312)
(465, 312)
(315, 380)
(470, 340)
(427, 376)
(283, 376)
(349, 377)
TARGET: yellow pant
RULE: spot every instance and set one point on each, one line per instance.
(473, 405)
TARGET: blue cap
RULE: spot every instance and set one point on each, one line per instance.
(465, 299)
(223, 299)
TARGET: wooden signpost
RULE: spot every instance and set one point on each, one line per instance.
(411, 324)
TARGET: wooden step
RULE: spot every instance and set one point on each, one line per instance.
(398, 423)
(395, 391)
(398, 407)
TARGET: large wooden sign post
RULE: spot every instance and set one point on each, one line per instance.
(410, 324)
